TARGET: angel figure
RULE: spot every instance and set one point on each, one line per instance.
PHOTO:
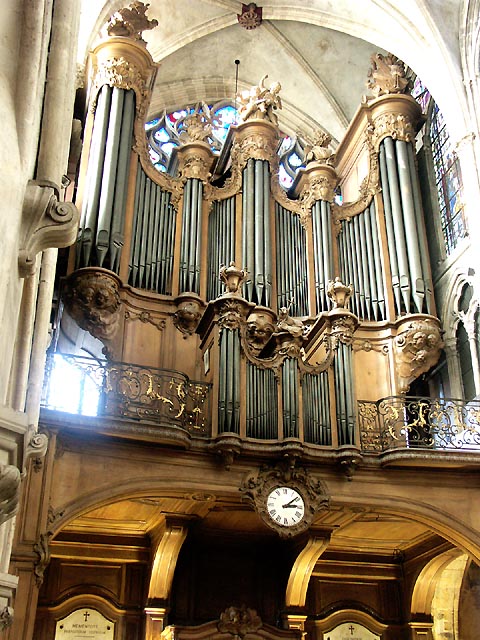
(261, 102)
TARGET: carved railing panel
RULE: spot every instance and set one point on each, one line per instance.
(86, 386)
(412, 422)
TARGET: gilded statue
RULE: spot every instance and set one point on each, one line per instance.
(261, 102)
(293, 326)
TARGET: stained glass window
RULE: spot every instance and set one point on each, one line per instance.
(448, 178)
(163, 137)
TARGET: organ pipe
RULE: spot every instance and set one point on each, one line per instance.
(256, 231)
(405, 233)
(292, 283)
(221, 243)
(229, 382)
(344, 395)
(152, 246)
(361, 265)
(316, 409)
(191, 236)
(290, 398)
(103, 213)
(262, 412)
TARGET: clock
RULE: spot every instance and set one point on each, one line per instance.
(285, 506)
(286, 497)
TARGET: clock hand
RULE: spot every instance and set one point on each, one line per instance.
(291, 504)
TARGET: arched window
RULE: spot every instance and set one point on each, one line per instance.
(444, 171)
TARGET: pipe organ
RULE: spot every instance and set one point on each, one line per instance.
(315, 297)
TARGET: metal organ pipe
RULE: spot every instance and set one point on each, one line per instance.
(103, 213)
(344, 394)
(316, 409)
(151, 252)
(255, 227)
(229, 382)
(88, 220)
(292, 284)
(221, 243)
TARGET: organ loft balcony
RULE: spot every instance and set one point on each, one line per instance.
(330, 389)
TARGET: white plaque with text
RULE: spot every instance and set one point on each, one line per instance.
(85, 624)
(350, 631)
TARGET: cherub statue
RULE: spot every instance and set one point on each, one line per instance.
(387, 75)
(261, 102)
(131, 21)
(317, 148)
(196, 125)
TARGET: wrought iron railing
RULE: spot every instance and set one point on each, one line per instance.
(434, 423)
(92, 387)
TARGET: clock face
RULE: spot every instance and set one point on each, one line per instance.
(285, 506)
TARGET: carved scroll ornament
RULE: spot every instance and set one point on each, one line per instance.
(47, 223)
(417, 349)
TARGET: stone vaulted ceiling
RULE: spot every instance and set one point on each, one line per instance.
(318, 49)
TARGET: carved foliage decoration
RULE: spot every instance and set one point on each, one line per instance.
(121, 73)
(6, 618)
(47, 222)
(131, 21)
(387, 75)
(417, 348)
(92, 298)
(396, 125)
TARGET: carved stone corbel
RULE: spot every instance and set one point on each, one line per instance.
(6, 618)
(47, 223)
(417, 348)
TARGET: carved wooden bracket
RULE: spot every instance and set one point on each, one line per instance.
(417, 348)
(47, 223)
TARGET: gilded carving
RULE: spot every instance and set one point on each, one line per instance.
(197, 125)
(393, 124)
(260, 102)
(91, 297)
(343, 328)
(387, 75)
(255, 145)
(339, 293)
(131, 21)
(120, 72)
(239, 621)
(417, 349)
(368, 188)
(251, 16)
(48, 222)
